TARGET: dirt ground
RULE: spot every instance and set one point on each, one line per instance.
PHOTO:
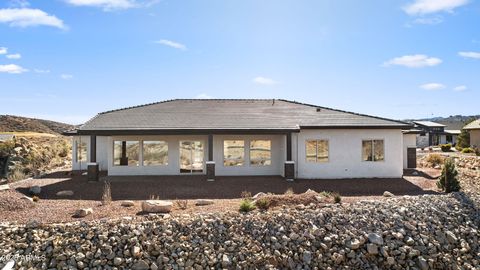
(225, 191)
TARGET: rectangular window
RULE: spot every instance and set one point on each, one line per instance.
(317, 150)
(373, 150)
(233, 152)
(126, 153)
(261, 152)
(81, 154)
(155, 153)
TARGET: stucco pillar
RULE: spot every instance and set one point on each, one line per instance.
(210, 163)
(289, 163)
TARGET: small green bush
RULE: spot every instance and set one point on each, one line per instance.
(336, 197)
(35, 199)
(263, 203)
(448, 179)
(446, 147)
(468, 150)
(246, 206)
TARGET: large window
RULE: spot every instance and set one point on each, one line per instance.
(233, 152)
(126, 153)
(155, 153)
(373, 150)
(81, 154)
(317, 150)
(261, 152)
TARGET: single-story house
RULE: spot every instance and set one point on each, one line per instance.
(433, 134)
(473, 129)
(232, 137)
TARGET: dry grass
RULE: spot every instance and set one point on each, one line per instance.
(107, 193)
(182, 204)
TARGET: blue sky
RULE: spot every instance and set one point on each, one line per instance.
(67, 60)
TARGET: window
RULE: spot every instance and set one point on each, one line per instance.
(373, 150)
(317, 150)
(155, 153)
(126, 153)
(261, 152)
(233, 152)
(81, 154)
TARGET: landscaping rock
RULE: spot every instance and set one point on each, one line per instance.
(388, 194)
(375, 239)
(83, 212)
(65, 193)
(141, 265)
(372, 249)
(202, 202)
(156, 206)
(127, 203)
(35, 190)
(4, 187)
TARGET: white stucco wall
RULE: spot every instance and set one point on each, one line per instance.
(443, 139)
(345, 154)
(409, 141)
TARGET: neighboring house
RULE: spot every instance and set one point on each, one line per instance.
(474, 129)
(241, 137)
(432, 134)
(6, 137)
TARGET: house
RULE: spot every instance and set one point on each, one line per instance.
(231, 137)
(474, 130)
(432, 134)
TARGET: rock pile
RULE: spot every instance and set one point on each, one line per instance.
(469, 162)
(425, 232)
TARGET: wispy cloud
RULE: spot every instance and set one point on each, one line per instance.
(3, 50)
(422, 7)
(460, 88)
(111, 5)
(429, 21)
(264, 80)
(474, 55)
(18, 3)
(413, 61)
(432, 86)
(25, 17)
(14, 56)
(12, 69)
(66, 76)
(203, 96)
(172, 44)
(41, 71)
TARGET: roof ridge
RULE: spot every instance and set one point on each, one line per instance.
(354, 113)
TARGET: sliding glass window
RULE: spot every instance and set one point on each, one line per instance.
(155, 153)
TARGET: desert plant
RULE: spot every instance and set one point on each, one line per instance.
(107, 193)
(326, 193)
(246, 206)
(446, 147)
(182, 204)
(16, 175)
(336, 197)
(153, 197)
(64, 149)
(435, 159)
(289, 191)
(246, 195)
(263, 203)
(448, 179)
(6, 148)
(468, 150)
(35, 199)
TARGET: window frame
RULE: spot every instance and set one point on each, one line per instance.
(143, 153)
(78, 151)
(373, 150)
(250, 154)
(140, 154)
(243, 163)
(316, 151)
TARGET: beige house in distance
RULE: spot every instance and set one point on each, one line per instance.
(474, 129)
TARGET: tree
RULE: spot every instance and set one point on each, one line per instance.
(448, 180)
(463, 140)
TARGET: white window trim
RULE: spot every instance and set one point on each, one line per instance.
(249, 155)
(316, 151)
(244, 153)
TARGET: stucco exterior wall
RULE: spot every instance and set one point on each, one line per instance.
(475, 138)
(345, 154)
(409, 141)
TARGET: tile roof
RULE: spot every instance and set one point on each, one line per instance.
(473, 125)
(211, 114)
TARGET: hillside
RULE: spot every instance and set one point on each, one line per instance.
(453, 121)
(10, 123)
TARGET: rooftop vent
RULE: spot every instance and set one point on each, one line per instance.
(319, 109)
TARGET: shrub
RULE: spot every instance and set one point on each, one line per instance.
(477, 151)
(435, 159)
(448, 179)
(246, 194)
(64, 149)
(6, 148)
(326, 193)
(289, 191)
(263, 203)
(182, 204)
(106, 194)
(246, 206)
(16, 175)
(446, 147)
(468, 150)
(35, 199)
(336, 197)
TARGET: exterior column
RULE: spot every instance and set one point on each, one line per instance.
(210, 163)
(92, 167)
(289, 163)
(124, 159)
(93, 148)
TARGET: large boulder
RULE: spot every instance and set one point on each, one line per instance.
(65, 193)
(156, 206)
(202, 202)
(127, 203)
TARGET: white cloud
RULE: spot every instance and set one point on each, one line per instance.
(203, 96)
(12, 69)
(41, 71)
(264, 81)
(474, 55)
(3, 50)
(110, 5)
(432, 86)
(14, 56)
(460, 88)
(24, 17)
(421, 7)
(66, 76)
(172, 44)
(414, 61)
(429, 21)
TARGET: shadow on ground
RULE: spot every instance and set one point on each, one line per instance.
(196, 186)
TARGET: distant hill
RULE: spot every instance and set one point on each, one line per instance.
(452, 122)
(10, 123)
